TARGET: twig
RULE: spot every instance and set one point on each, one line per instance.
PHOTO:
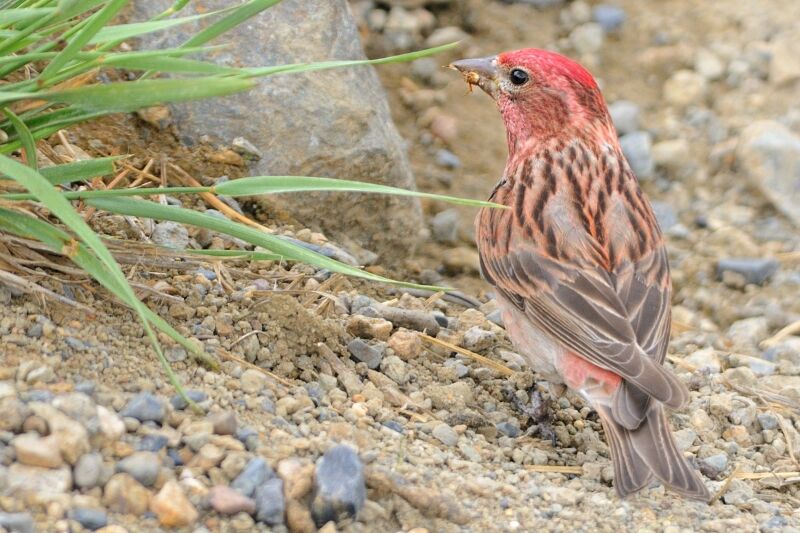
(30, 287)
(558, 469)
(485, 361)
(225, 354)
(787, 331)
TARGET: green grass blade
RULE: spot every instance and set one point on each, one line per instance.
(113, 193)
(60, 207)
(96, 22)
(25, 137)
(8, 16)
(282, 184)
(121, 32)
(289, 251)
(163, 63)
(237, 254)
(238, 16)
(322, 65)
(129, 96)
(79, 170)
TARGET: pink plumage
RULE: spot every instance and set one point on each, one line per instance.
(579, 263)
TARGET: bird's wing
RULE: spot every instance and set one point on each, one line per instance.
(616, 320)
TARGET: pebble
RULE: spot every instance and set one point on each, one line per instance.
(362, 352)
(253, 381)
(784, 66)
(477, 339)
(170, 235)
(123, 494)
(255, 474)
(227, 501)
(88, 470)
(638, 147)
(406, 344)
(245, 148)
(224, 423)
(665, 214)
(445, 434)
(339, 486)
(71, 436)
(755, 270)
(196, 396)
(587, 38)
(672, 154)
(369, 327)
(708, 65)
(17, 522)
(444, 226)
(395, 369)
(625, 115)
(269, 501)
(508, 429)
(768, 421)
(717, 463)
(609, 17)
(447, 159)
(445, 35)
(705, 360)
(748, 332)
(172, 507)
(91, 519)
(145, 407)
(142, 466)
(33, 450)
(152, 443)
(685, 88)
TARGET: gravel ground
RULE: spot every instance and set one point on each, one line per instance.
(333, 409)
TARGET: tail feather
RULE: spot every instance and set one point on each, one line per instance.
(649, 451)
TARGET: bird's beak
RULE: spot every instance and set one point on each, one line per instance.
(482, 72)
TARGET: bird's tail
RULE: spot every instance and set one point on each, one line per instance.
(647, 451)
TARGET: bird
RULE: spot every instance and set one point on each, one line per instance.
(578, 261)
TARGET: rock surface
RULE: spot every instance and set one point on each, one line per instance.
(327, 123)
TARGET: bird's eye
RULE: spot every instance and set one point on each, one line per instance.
(518, 76)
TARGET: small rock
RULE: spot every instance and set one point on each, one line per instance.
(477, 339)
(706, 360)
(172, 506)
(445, 127)
(157, 116)
(111, 426)
(445, 434)
(91, 519)
(14, 414)
(33, 450)
(145, 407)
(684, 88)
(124, 495)
(609, 17)
(672, 154)
(717, 463)
(447, 159)
(196, 396)
(369, 327)
(208, 456)
(445, 35)
(227, 501)
(460, 260)
(708, 65)
(755, 270)
(270, 505)
(245, 148)
(768, 421)
(365, 353)
(17, 522)
(406, 344)
(748, 332)
(685, 438)
(625, 115)
(339, 486)
(171, 235)
(143, 466)
(297, 476)
(508, 429)
(637, 147)
(395, 369)
(35, 479)
(253, 381)
(88, 470)
(224, 423)
(784, 67)
(769, 155)
(587, 38)
(255, 474)
(665, 214)
(444, 226)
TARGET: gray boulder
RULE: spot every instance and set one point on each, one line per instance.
(333, 123)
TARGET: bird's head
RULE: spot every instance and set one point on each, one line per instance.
(540, 94)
